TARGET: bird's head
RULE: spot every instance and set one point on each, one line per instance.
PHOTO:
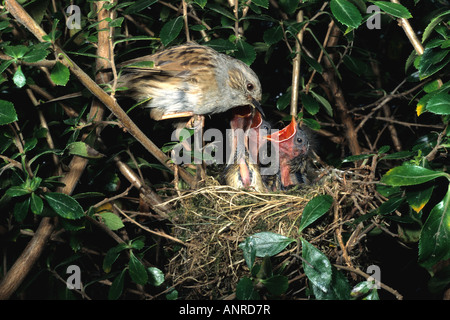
(292, 140)
(245, 85)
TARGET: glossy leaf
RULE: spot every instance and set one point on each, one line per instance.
(112, 255)
(276, 285)
(314, 209)
(394, 9)
(139, 6)
(7, 112)
(245, 52)
(346, 13)
(35, 55)
(156, 276)
(316, 265)
(245, 290)
(418, 199)
(116, 289)
(261, 3)
(338, 289)
(137, 270)
(36, 204)
(309, 103)
(60, 74)
(171, 30)
(19, 78)
(21, 209)
(434, 243)
(64, 205)
(267, 243)
(249, 251)
(408, 175)
(273, 35)
(439, 104)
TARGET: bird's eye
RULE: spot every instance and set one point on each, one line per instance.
(299, 140)
(250, 86)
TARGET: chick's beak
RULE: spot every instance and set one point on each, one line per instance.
(257, 106)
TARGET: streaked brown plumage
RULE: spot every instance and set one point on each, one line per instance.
(190, 79)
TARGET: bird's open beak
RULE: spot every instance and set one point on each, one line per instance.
(258, 107)
(284, 134)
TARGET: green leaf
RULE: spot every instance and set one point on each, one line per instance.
(324, 102)
(289, 5)
(245, 290)
(117, 286)
(311, 123)
(139, 6)
(312, 63)
(221, 45)
(346, 13)
(245, 52)
(21, 209)
(311, 105)
(112, 255)
(390, 205)
(261, 3)
(19, 78)
(433, 23)
(64, 205)
(284, 101)
(35, 55)
(273, 35)
(394, 9)
(36, 204)
(17, 191)
(268, 243)
(316, 266)
(434, 243)
(418, 199)
(408, 175)
(338, 289)
(439, 104)
(156, 276)
(398, 155)
(16, 52)
(171, 30)
(314, 209)
(201, 3)
(111, 220)
(276, 285)
(137, 270)
(7, 112)
(357, 157)
(249, 250)
(116, 23)
(219, 9)
(431, 61)
(82, 149)
(60, 74)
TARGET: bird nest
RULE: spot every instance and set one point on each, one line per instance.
(215, 219)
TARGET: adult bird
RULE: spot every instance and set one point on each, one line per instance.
(188, 80)
(293, 145)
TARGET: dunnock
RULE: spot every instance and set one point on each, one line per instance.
(190, 79)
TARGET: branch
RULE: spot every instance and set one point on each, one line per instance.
(24, 18)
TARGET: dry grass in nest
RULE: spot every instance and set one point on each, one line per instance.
(213, 220)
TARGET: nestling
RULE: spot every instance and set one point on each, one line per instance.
(294, 145)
